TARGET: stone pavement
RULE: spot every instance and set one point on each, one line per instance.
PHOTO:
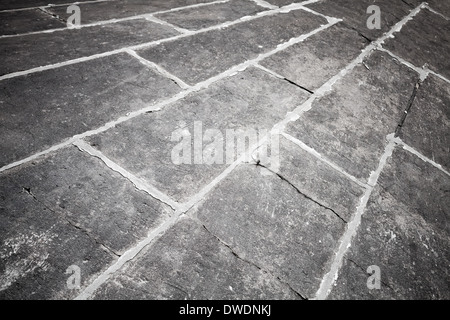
(232, 149)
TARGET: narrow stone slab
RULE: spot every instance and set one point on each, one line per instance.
(265, 220)
(37, 246)
(187, 262)
(27, 21)
(44, 108)
(429, 45)
(92, 197)
(116, 9)
(316, 179)
(405, 232)
(354, 13)
(199, 57)
(30, 51)
(312, 62)
(250, 100)
(426, 127)
(207, 16)
(349, 124)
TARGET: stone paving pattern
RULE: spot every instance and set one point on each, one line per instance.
(361, 118)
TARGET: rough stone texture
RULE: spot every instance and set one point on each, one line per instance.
(26, 52)
(17, 4)
(349, 125)
(405, 232)
(424, 40)
(251, 100)
(27, 21)
(281, 3)
(443, 7)
(207, 16)
(316, 179)
(42, 109)
(354, 13)
(426, 127)
(204, 55)
(187, 262)
(37, 245)
(116, 9)
(312, 62)
(268, 222)
(92, 197)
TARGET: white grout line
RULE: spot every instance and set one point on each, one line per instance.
(53, 5)
(151, 18)
(410, 149)
(421, 71)
(323, 159)
(352, 227)
(435, 12)
(159, 69)
(137, 182)
(264, 4)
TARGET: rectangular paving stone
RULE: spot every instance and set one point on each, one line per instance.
(266, 221)
(349, 124)
(312, 62)
(18, 4)
(354, 13)
(148, 146)
(44, 108)
(424, 41)
(27, 21)
(31, 51)
(427, 125)
(92, 197)
(207, 16)
(101, 11)
(316, 179)
(188, 262)
(37, 246)
(405, 232)
(199, 57)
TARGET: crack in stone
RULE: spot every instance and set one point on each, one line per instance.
(297, 85)
(251, 262)
(28, 191)
(57, 17)
(258, 163)
(408, 108)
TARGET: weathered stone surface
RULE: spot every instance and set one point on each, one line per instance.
(316, 179)
(199, 57)
(44, 108)
(349, 125)
(37, 245)
(312, 62)
(187, 262)
(116, 9)
(281, 3)
(427, 125)
(82, 190)
(252, 100)
(27, 21)
(18, 4)
(207, 16)
(443, 7)
(405, 232)
(265, 220)
(30, 51)
(428, 45)
(354, 13)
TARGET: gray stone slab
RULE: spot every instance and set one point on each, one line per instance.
(405, 232)
(37, 245)
(426, 128)
(281, 3)
(443, 7)
(44, 108)
(316, 179)
(349, 124)
(92, 197)
(252, 100)
(116, 9)
(424, 40)
(207, 16)
(354, 13)
(204, 55)
(18, 4)
(30, 51)
(312, 62)
(265, 220)
(27, 21)
(187, 262)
